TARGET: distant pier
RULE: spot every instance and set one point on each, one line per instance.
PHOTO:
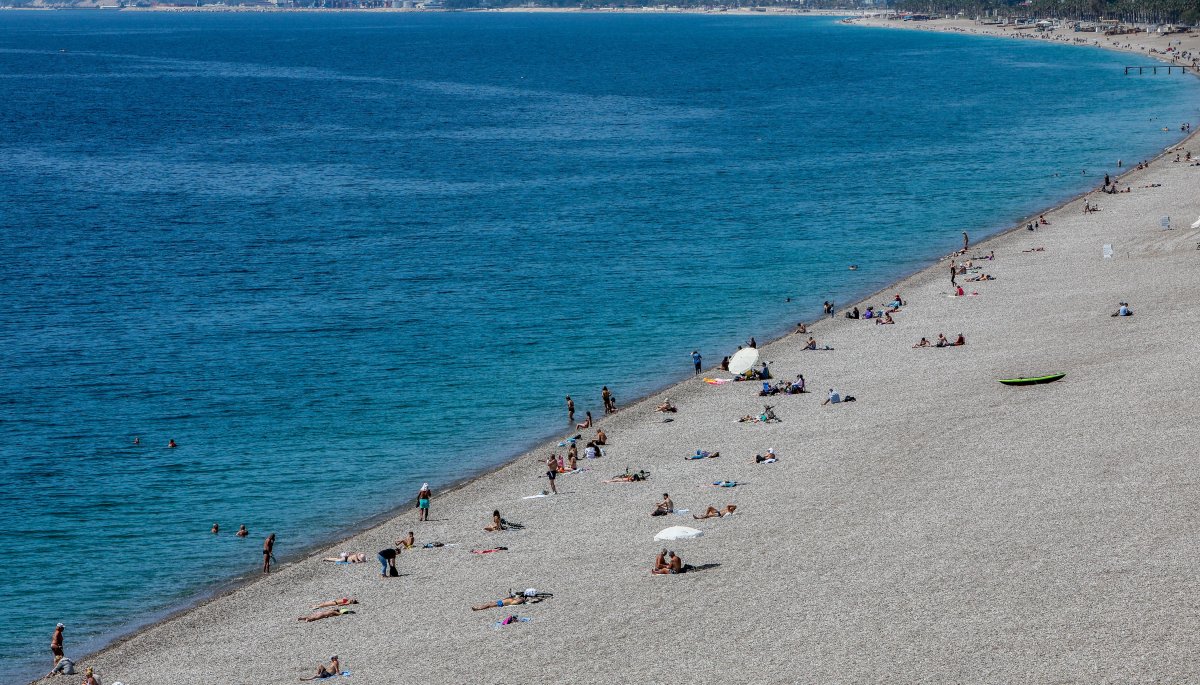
(1155, 67)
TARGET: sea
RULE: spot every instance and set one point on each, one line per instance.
(334, 255)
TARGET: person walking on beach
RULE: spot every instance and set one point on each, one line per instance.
(552, 471)
(570, 409)
(953, 273)
(423, 498)
(268, 552)
(56, 643)
(696, 360)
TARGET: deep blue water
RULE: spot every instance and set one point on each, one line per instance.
(349, 252)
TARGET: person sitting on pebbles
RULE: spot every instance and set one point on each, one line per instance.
(666, 506)
(713, 512)
(673, 565)
(1123, 310)
(333, 669)
(666, 407)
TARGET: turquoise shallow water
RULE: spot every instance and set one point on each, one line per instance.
(345, 253)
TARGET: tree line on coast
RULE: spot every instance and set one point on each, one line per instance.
(1128, 11)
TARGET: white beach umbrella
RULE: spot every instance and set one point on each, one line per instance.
(1197, 224)
(678, 533)
(743, 361)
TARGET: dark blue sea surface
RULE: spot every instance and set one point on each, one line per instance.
(335, 255)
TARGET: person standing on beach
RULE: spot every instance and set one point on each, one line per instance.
(606, 397)
(953, 273)
(268, 552)
(829, 308)
(696, 360)
(966, 242)
(56, 643)
(570, 409)
(552, 471)
(423, 498)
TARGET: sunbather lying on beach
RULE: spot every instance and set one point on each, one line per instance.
(768, 458)
(723, 484)
(323, 671)
(701, 454)
(713, 512)
(1036, 249)
(982, 277)
(666, 506)
(489, 551)
(666, 407)
(512, 600)
(628, 477)
(344, 601)
(328, 613)
(348, 557)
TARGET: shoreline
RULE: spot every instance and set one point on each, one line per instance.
(373, 526)
(732, 11)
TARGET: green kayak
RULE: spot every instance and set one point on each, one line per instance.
(1032, 381)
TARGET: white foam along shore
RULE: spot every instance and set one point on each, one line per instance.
(942, 528)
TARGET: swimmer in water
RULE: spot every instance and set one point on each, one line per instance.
(171, 443)
(216, 529)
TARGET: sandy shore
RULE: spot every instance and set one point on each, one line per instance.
(942, 528)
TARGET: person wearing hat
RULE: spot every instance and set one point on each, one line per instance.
(423, 498)
(56, 643)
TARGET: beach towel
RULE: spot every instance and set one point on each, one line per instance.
(535, 496)
(718, 381)
(510, 620)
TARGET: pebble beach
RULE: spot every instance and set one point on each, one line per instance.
(943, 527)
